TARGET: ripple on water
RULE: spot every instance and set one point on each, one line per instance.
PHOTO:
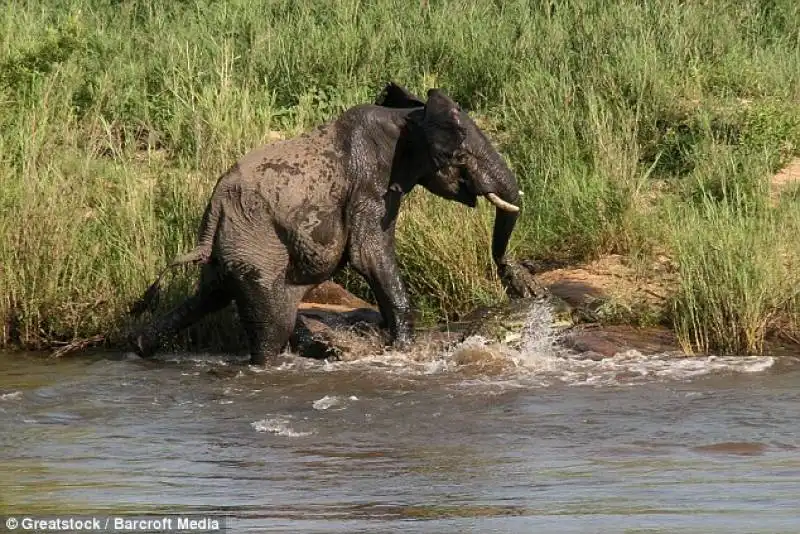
(737, 448)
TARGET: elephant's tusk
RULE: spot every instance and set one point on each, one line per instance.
(501, 204)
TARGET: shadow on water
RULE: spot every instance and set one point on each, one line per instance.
(480, 437)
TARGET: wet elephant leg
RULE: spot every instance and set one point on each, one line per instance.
(256, 263)
(211, 296)
(372, 255)
(268, 312)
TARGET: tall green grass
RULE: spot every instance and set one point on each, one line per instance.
(739, 276)
(117, 117)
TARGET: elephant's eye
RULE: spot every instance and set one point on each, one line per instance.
(460, 157)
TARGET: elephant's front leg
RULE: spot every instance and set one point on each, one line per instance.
(372, 255)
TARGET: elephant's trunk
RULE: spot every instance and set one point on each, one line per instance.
(504, 222)
(497, 183)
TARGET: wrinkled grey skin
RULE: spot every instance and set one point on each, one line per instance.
(288, 215)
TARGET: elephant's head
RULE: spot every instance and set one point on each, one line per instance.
(465, 166)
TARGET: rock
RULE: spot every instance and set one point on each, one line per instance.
(576, 293)
(330, 293)
(593, 343)
(336, 337)
(611, 340)
(335, 317)
(341, 317)
(585, 287)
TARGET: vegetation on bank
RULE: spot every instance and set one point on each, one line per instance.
(634, 127)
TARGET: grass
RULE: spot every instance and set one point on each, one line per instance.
(632, 127)
(740, 276)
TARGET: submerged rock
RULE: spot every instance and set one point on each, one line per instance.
(336, 330)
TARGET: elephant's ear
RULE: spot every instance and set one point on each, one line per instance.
(397, 96)
(443, 128)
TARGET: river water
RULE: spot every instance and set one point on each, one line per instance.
(479, 438)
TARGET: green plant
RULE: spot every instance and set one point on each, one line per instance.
(737, 276)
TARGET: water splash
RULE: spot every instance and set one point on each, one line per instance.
(279, 426)
(537, 348)
(530, 357)
(330, 401)
(14, 395)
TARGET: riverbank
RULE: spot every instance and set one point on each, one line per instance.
(637, 131)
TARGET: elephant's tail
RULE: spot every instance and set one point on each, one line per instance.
(200, 254)
(149, 300)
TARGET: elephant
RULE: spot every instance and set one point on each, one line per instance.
(288, 215)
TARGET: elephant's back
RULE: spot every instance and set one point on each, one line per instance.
(296, 189)
(297, 173)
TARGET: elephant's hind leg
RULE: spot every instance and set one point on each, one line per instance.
(268, 312)
(211, 296)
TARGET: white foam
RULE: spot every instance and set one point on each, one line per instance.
(328, 401)
(539, 334)
(278, 426)
(14, 395)
(632, 367)
(540, 361)
(200, 359)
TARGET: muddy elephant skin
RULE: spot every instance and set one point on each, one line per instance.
(288, 215)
